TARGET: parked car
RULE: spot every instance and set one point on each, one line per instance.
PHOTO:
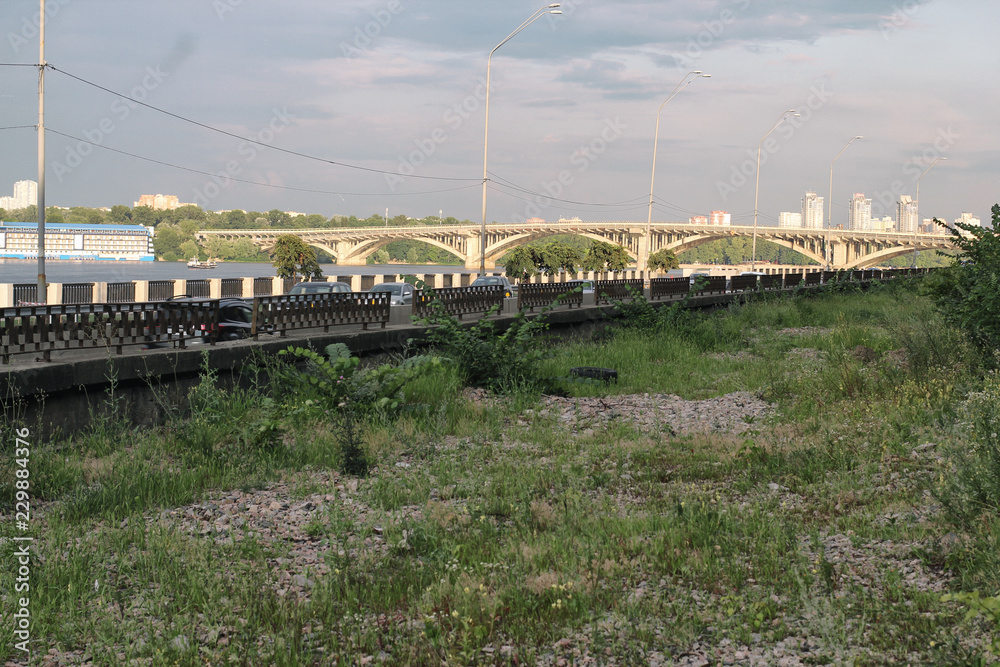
(695, 276)
(401, 293)
(235, 320)
(485, 281)
(587, 285)
(319, 288)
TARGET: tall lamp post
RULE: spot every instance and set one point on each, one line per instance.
(916, 223)
(829, 218)
(41, 297)
(681, 85)
(756, 190)
(547, 9)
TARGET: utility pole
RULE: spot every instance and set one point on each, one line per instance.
(42, 286)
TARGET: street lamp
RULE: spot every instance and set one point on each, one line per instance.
(829, 223)
(916, 223)
(681, 85)
(547, 9)
(756, 191)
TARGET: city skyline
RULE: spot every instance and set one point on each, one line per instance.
(399, 88)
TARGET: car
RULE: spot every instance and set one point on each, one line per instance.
(753, 273)
(235, 320)
(319, 288)
(486, 281)
(695, 276)
(401, 293)
(587, 285)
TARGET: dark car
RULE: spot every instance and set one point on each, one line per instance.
(234, 322)
(486, 281)
(319, 288)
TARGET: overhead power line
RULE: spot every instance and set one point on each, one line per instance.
(258, 143)
(260, 183)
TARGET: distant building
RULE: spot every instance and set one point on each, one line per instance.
(71, 241)
(860, 218)
(720, 218)
(160, 202)
(812, 211)
(698, 220)
(568, 220)
(790, 220)
(883, 224)
(968, 219)
(906, 214)
(25, 195)
(535, 221)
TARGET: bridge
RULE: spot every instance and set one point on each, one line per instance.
(351, 246)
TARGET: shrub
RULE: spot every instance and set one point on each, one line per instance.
(968, 292)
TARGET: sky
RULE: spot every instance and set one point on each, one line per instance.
(359, 106)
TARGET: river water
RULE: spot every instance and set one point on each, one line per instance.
(69, 271)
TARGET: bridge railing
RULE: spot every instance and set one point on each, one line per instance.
(459, 301)
(710, 285)
(539, 295)
(668, 288)
(606, 291)
(44, 329)
(281, 314)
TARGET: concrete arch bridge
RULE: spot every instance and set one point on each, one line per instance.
(352, 246)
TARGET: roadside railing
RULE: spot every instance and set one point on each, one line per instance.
(709, 285)
(121, 292)
(198, 288)
(743, 283)
(161, 290)
(668, 288)
(281, 314)
(44, 329)
(459, 301)
(540, 295)
(77, 293)
(231, 288)
(606, 291)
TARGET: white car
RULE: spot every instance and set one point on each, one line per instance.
(401, 293)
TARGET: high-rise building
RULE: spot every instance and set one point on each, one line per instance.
(25, 195)
(883, 224)
(698, 220)
(790, 220)
(906, 214)
(812, 211)
(860, 219)
(967, 219)
(720, 218)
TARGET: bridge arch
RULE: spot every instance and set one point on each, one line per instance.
(690, 242)
(497, 250)
(368, 246)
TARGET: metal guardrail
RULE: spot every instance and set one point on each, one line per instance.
(660, 288)
(26, 293)
(280, 314)
(76, 293)
(198, 288)
(459, 301)
(743, 283)
(539, 295)
(606, 291)
(44, 329)
(710, 285)
(263, 286)
(160, 290)
(121, 292)
(231, 288)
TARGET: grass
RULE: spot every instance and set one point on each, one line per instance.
(490, 532)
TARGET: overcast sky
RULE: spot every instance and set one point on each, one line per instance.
(397, 86)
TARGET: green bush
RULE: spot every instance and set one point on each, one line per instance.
(968, 292)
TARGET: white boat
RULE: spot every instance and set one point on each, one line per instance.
(193, 263)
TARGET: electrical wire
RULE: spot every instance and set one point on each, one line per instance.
(16, 127)
(267, 185)
(258, 143)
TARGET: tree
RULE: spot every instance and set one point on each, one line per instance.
(190, 249)
(603, 256)
(663, 260)
(968, 292)
(277, 218)
(412, 255)
(292, 256)
(144, 215)
(519, 263)
(120, 215)
(548, 258)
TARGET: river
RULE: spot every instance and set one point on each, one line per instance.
(71, 271)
